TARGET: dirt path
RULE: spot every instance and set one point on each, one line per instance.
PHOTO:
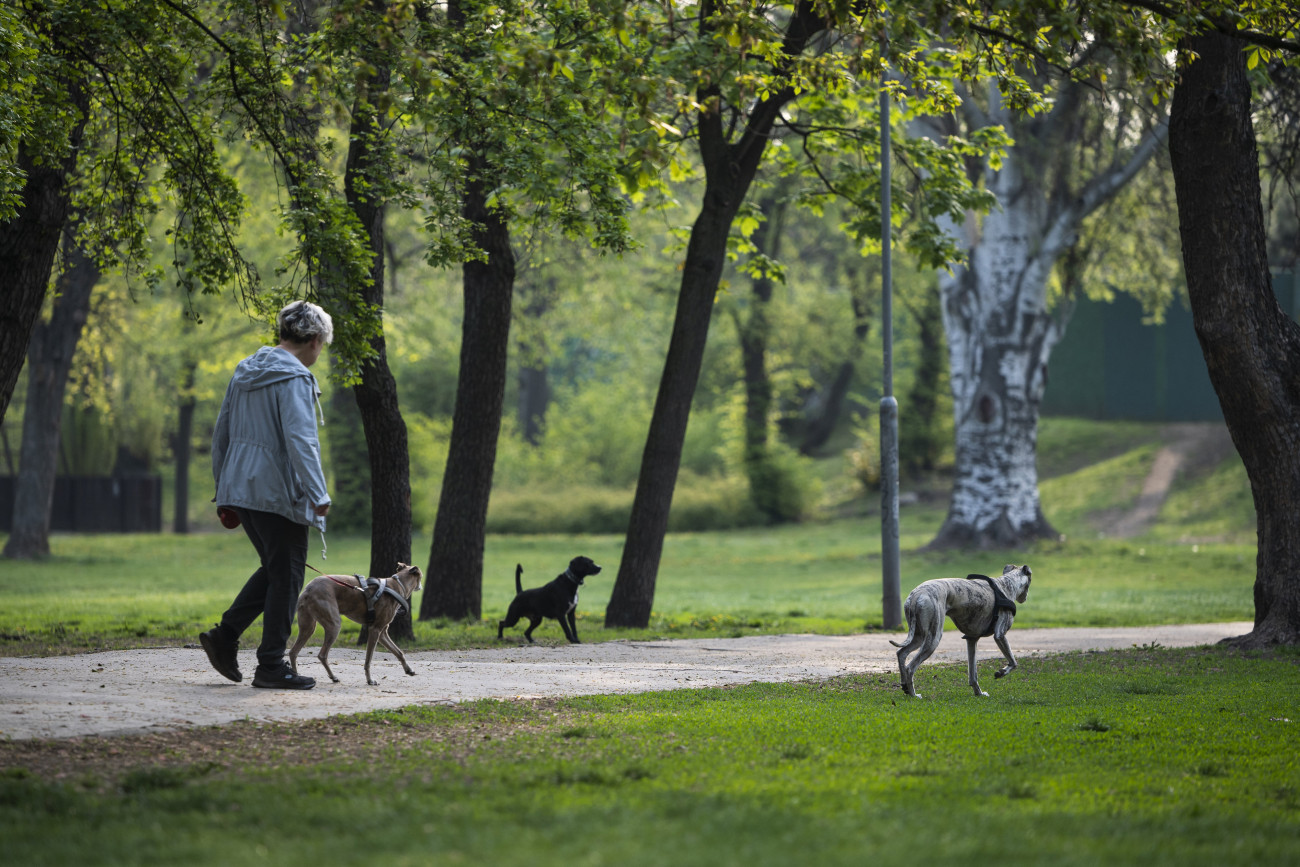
(129, 691)
(1190, 445)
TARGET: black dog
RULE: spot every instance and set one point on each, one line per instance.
(557, 600)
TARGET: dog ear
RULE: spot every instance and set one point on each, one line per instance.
(1010, 567)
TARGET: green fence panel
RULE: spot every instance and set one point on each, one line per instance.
(1110, 365)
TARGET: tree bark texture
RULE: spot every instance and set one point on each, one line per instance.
(534, 399)
(28, 244)
(49, 360)
(455, 575)
(1251, 347)
(1000, 336)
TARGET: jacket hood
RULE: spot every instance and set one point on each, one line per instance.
(267, 366)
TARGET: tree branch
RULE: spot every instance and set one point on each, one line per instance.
(1101, 189)
(1253, 37)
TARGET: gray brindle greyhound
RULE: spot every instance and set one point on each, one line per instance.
(978, 605)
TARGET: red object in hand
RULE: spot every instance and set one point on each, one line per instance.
(229, 518)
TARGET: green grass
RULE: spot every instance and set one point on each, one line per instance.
(1195, 565)
(1149, 757)
(1067, 445)
(103, 591)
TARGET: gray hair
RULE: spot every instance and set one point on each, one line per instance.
(303, 322)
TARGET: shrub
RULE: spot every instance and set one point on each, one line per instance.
(699, 503)
(782, 486)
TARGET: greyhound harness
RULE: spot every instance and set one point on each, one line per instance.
(1000, 601)
(372, 589)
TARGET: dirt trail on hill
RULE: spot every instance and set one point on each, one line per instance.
(129, 691)
(1190, 445)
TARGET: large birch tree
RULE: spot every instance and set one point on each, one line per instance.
(997, 309)
(1250, 345)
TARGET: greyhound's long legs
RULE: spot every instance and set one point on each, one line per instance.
(306, 626)
(332, 626)
(970, 666)
(388, 642)
(1006, 651)
(928, 647)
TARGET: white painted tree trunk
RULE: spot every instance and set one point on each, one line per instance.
(1001, 334)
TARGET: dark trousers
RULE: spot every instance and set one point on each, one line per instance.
(272, 591)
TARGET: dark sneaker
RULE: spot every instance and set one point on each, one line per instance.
(222, 654)
(282, 677)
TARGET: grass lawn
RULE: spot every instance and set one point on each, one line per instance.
(102, 591)
(1146, 757)
(1149, 756)
(1196, 564)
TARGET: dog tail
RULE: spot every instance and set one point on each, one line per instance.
(519, 584)
(911, 631)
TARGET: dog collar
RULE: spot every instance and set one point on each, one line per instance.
(568, 573)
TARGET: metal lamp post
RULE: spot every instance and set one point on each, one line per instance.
(889, 549)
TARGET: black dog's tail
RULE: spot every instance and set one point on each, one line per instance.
(519, 584)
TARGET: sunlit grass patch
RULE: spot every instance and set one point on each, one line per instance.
(1145, 756)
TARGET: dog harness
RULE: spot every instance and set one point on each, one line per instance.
(373, 588)
(1000, 601)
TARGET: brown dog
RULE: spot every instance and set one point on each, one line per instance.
(329, 596)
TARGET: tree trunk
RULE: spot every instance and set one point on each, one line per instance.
(534, 398)
(818, 428)
(349, 464)
(829, 404)
(455, 578)
(183, 445)
(1000, 336)
(533, 378)
(754, 332)
(389, 475)
(633, 596)
(28, 244)
(920, 441)
(1251, 347)
(995, 313)
(49, 359)
(729, 169)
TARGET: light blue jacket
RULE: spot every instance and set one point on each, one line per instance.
(265, 449)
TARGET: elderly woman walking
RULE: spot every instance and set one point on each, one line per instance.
(267, 466)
